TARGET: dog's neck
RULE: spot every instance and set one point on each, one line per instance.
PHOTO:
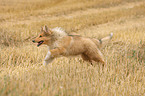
(57, 34)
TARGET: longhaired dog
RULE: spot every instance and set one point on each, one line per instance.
(62, 44)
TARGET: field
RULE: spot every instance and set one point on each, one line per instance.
(21, 69)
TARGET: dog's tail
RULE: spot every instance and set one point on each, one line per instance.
(103, 41)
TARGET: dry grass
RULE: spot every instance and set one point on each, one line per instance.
(21, 70)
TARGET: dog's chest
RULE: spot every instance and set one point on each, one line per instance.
(55, 45)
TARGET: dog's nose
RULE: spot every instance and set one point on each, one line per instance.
(33, 40)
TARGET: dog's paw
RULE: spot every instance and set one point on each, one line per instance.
(44, 63)
(111, 35)
(48, 56)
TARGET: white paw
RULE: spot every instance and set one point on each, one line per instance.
(46, 62)
(111, 35)
(48, 56)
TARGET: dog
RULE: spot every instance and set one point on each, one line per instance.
(62, 44)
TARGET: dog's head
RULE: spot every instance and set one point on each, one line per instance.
(44, 37)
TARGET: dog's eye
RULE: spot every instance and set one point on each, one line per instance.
(40, 36)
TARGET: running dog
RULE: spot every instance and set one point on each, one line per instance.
(62, 44)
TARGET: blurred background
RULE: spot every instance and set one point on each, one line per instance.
(21, 70)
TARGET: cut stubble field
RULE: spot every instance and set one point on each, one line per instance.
(21, 69)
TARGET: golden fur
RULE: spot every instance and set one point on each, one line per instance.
(61, 44)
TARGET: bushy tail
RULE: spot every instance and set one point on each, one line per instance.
(103, 41)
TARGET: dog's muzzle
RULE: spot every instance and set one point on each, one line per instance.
(33, 41)
(39, 43)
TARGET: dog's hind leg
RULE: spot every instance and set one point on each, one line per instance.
(86, 58)
(98, 57)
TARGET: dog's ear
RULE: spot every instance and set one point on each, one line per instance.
(46, 30)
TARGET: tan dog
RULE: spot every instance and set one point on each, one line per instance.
(61, 44)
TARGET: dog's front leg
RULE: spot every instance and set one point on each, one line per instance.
(58, 51)
(48, 59)
(52, 54)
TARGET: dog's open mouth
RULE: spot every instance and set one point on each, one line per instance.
(39, 43)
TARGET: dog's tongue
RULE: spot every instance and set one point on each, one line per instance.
(39, 43)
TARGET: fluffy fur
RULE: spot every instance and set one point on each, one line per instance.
(58, 32)
(61, 44)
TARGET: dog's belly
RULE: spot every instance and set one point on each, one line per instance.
(73, 53)
(75, 50)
